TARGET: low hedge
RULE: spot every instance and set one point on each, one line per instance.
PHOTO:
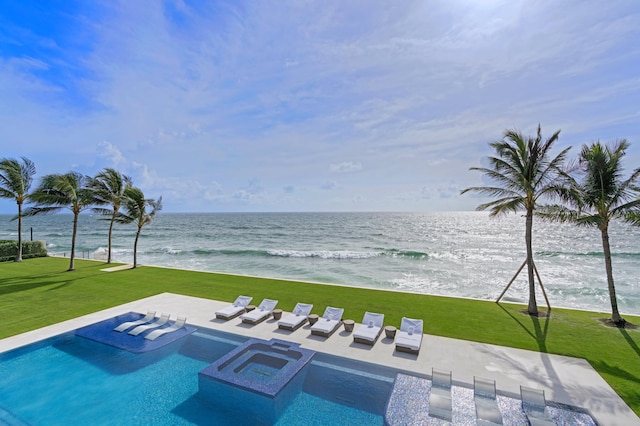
(30, 249)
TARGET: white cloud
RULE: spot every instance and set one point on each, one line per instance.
(111, 154)
(346, 167)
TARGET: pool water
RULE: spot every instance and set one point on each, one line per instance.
(72, 380)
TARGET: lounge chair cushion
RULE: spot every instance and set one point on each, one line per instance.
(296, 318)
(370, 329)
(235, 309)
(261, 313)
(329, 322)
(409, 337)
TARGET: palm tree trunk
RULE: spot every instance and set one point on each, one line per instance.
(533, 306)
(19, 254)
(113, 218)
(73, 242)
(135, 249)
(615, 315)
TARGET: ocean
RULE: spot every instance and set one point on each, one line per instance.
(463, 254)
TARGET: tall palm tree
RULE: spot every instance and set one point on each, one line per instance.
(15, 182)
(109, 188)
(135, 210)
(522, 172)
(58, 191)
(599, 196)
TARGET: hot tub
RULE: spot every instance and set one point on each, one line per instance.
(259, 378)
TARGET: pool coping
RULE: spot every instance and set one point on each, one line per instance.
(565, 380)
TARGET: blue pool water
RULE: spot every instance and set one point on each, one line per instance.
(72, 380)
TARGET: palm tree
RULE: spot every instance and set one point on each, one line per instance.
(600, 196)
(522, 173)
(15, 182)
(58, 191)
(108, 188)
(135, 206)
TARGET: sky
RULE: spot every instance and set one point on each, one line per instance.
(328, 105)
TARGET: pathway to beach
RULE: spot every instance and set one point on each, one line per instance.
(565, 380)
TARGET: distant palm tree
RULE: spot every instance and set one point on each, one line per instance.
(109, 188)
(58, 191)
(15, 182)
(598, 197)
(135, 210)
(522, 173)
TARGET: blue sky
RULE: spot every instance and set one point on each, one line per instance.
(309, 105)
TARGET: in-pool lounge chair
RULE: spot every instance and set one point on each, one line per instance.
(534, 404)
(484, 395)
(370, 329)
(164, 318)
(329, 322)
(177, 325)
(127, 325)
(440, 396)
(409, 337)
(232, 311)
(261, 313)
(297, 318)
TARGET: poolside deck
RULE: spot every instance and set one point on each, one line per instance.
(565, 380)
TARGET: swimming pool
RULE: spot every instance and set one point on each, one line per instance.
(70, 379)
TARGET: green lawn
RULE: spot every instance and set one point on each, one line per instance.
(38, 292)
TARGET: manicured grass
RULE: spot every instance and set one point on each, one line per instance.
(38, 292)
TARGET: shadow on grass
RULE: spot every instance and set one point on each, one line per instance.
(539, 333)
(32, 282)
(630, 341)
(16, 285)
(613, 370)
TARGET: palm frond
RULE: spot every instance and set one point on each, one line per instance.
(502, 206)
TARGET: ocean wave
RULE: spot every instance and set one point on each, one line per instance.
(324, 254)
(290, 253)
(407, 253)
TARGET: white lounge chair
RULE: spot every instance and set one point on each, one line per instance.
(261, 313)
(329, 322)
(297, 318)
(177, 324)
(534, 404)
(409, 337)
(164, 318)
(440, 405)
(235, 309)
(370, 329)
(127, 325)
(484, 395)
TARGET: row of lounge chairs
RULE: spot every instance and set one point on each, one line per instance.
(484, 395)
(408, 338)
(150, 322)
